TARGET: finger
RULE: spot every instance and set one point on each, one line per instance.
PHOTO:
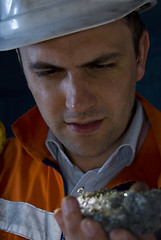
(93, 230)
(72, 219)
(139, 187)
(148, 237)
(59, 218)
(121, 234)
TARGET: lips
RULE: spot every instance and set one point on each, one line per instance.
(86, 128)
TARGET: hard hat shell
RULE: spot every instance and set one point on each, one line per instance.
(25, 22)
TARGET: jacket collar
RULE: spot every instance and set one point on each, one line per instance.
(154, 116)
(31, 130)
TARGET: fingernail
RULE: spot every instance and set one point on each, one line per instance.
(57, 211)
(88, 228)
(118, 234)
(68, 206)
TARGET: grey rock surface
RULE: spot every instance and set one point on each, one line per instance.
(138, 212)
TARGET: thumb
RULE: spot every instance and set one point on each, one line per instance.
(139, 187)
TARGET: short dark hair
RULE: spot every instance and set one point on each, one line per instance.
(137, 27)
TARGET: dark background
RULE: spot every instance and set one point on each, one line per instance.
(16, 99)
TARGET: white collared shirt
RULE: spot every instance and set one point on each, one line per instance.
(98, 178)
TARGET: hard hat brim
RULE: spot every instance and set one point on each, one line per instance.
(62, 19)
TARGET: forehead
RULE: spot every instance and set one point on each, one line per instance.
(94, 41)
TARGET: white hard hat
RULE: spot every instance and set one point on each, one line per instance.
(25, 22)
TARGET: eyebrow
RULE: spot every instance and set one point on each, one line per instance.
(42, 65)
(101, 59)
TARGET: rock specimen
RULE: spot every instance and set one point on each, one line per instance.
(138, 212)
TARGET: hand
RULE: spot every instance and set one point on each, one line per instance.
(75, 228)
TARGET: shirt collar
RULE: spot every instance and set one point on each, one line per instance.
(130, 138)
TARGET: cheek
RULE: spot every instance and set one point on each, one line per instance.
(119, 94)
(40, 90)
(40, 94)
(49, 100)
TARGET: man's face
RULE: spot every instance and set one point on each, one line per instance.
(84, 85)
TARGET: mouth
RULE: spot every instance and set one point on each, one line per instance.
(86, 128)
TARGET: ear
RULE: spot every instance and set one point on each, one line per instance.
(142, 55)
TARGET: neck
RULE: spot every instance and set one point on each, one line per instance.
(86, 163)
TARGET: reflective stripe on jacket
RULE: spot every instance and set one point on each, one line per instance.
(31, 184)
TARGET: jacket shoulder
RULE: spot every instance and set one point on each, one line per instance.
(12, 153)
(11, 147)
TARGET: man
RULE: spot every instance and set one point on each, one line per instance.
(89, 130)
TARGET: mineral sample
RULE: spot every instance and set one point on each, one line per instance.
(138, 212)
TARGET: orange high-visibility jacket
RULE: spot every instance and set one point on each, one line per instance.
(31, 184)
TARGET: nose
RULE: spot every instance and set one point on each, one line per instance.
(79, 94)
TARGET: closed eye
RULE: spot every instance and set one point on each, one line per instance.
(42, 69)
(101, 67)
(45, 73)
(104, 66)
